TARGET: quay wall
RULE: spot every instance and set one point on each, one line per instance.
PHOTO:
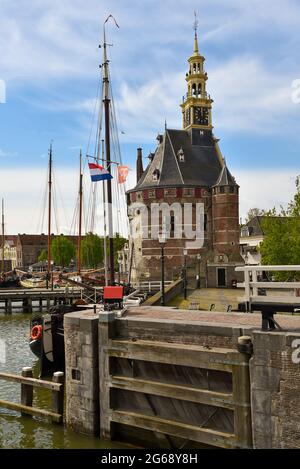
(125, 376)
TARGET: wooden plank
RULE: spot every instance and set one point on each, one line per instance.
(185, 393)
(175, 354)
(173, 428)
(242, 411)
(31, 410)
(275, 285)
(268, 268)
(31, 381)
(276, 300)
(58, 396)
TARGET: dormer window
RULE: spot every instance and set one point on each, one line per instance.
(159, 138)
(155, 175)
(180, 155)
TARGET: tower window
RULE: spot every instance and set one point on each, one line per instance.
(155, 175)
(180, 155)
(222, 190)
(172, 223)
(205, 222)
(231, 189)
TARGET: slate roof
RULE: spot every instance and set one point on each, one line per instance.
(225, 178)
(255, 225)
(201, 167)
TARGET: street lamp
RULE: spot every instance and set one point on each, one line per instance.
(199, 269)
(185, 273)
(162, 240)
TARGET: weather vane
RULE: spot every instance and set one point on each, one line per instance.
(196, 22)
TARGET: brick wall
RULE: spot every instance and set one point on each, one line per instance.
(275, 390)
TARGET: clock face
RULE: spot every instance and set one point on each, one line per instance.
(201, 115)
(187, 117)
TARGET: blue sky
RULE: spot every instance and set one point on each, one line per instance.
(49, 61)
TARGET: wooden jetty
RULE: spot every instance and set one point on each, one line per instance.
(25, 299)
(28, 384)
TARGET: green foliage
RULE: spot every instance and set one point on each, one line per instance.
(281, 245)
(118, 245)
(92, 250)
(43, 256)
(63, 250)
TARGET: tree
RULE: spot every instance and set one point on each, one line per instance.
(63, 250)
(43, 256)
(281, 245)
(254, 212)
(92, 250)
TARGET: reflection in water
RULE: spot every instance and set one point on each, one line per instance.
(27, 432)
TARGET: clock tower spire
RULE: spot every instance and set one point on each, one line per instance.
(196, 105)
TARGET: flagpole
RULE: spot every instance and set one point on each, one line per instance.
(104, 217)
(106, 102)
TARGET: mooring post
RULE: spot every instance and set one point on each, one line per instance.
(241, 394)
(106, 332)
(9, 306)
(41, 305)
(27, 390)
(58, 396)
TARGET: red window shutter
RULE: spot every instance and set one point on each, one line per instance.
(159, 193)
(133, 196)
(198, 192)
(179, 192)
(145, 195)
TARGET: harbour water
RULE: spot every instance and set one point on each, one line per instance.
(17, 431)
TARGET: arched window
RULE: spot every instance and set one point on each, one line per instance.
(180, 155)
(155, 175)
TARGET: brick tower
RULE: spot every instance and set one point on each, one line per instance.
(187, 169)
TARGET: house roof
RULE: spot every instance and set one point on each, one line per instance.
(225, 178)
(202, 165)
(255, 225)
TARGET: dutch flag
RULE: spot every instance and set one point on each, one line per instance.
(98, 173)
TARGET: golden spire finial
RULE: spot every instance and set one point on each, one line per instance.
(196, 22)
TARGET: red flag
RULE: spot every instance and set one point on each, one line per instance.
(122, 174)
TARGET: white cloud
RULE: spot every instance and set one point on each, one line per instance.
(265, 188)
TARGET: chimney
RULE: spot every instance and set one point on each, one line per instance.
(139, 165)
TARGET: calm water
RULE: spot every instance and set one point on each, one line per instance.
(28, 432)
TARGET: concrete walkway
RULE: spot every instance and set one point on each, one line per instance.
(203, 298)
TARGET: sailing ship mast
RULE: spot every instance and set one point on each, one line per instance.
(106, 102)
(80, 215)
(49, 215)
(3, 238)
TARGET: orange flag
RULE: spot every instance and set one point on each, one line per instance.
(122, 174)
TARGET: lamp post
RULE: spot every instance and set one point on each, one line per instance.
(185, 273)
(199, 270)
(162, 241)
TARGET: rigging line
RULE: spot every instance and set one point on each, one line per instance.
(94, 114)
(43, 204)
(61, 203)
(55, 210)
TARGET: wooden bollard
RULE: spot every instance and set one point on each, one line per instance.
(27, 390)
(58, 396)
